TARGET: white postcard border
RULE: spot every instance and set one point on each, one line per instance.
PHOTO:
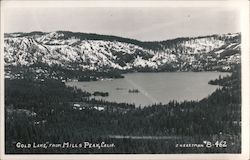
(242, 5)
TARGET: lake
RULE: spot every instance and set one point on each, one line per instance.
(154, 87)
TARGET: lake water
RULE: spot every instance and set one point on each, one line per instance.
(154, 87)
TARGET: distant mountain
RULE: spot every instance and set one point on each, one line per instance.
(83, 51)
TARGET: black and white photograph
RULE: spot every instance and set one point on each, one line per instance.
(91, 78)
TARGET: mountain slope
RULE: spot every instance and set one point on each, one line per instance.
(81, 51)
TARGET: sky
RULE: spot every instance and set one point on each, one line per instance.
(145, 24)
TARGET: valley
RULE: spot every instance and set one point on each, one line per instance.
(40, 107)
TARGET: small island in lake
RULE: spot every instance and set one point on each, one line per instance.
(133, 91)
(119, 88)
(102, 94)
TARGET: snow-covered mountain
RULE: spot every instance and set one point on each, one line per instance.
(83, 51)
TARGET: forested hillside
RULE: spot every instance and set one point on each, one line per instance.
(45, 111)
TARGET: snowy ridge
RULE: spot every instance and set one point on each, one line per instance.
(72, 52)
